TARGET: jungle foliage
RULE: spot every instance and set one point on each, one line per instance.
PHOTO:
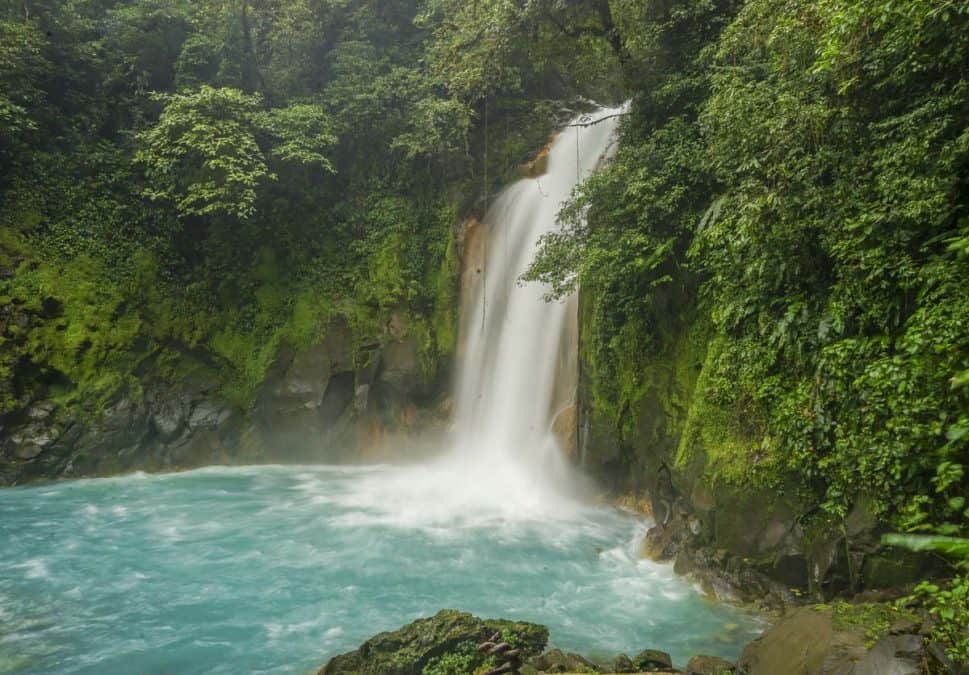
(795, 172)
(792, 185)
(217, 178)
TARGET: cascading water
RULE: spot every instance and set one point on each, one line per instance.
(504, 398)
(504, 391)
(503, 463)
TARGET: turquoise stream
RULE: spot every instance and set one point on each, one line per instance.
(275, 569)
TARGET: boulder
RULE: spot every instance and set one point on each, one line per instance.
(817, 641)
(29, 441)
(408, 650)
(709, 665)
(658, 544)
(557, 661)
(622, 664)
(894, 655)
(652, 659)
(803, 643)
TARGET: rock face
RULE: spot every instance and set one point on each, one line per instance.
(449, 633)
(328, 402)
(652, 659)
(709, 665)
(739, 541)
(813, 641)
(557, 661)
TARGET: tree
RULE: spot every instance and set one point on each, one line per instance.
(202, 154)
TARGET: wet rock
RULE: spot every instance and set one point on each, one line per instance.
(338, 397)
(36, 433)
(658, 544)
(361, 397)
(40, 410)
(28, 449)
(307, 376)
(652, 659)
(940, 664)
(315, 404)
(400, 365)
(537, 165)
(408, 650)
(30, 441)
(861, 521)
(565, 430)
(169, 415)
(622, 664)
(894, 655)
(790, 570)
(893, 568)
(709, 665)
(557, 661)
(813, 641)
(803, 643)
(209, 414)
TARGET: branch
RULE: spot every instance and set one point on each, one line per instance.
(601, 119)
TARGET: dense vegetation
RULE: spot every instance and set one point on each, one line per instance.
(216, 179)
(792, 193)
(790, 197)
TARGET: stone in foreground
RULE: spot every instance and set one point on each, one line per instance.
(709, 665)
(652, 659)
(449, 635)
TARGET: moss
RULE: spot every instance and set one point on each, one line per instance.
(720, 442)
(873, 619)
(440, 645)
(445, 284)
(81, 329)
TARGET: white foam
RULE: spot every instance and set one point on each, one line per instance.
(35, 568)
(504, 465)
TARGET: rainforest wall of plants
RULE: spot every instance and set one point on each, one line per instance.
(787, 213)
(215, 179)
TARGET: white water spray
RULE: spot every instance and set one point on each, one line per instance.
(504, 462)
(505, 395)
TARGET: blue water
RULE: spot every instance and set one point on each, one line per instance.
(275, 569)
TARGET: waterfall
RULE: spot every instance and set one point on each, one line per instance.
(510, 374)
(502, 463)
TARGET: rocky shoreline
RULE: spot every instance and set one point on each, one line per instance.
(333, 401)
(842, 639)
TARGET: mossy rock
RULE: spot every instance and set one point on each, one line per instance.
(412, 648)
(891, 568)
(835, 639)
(652, 659)
(557, 661)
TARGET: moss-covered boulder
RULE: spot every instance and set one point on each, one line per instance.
(445, 642)
(709, 665)
(557, 661)
(652, 659)
(840, 639)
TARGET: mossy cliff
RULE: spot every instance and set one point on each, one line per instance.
(654, 431)
(325, 384)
